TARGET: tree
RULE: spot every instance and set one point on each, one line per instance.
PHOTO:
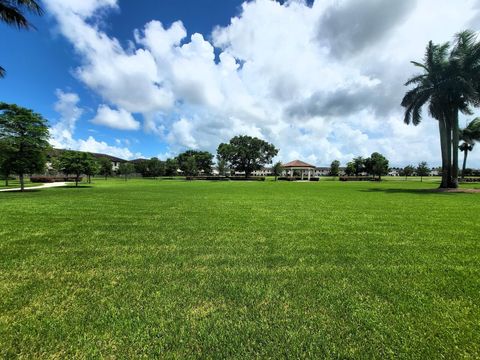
(189, 166)
(469, 136)
(422, 170)
(203, 162)
(277, 170)
(91, 167)
(24, 135)
(126, 169)
(222, 166)
(408, 171)
(350, 169)
(247, 154)
(449, 84)
(359, 164)
(76, 163)
(335, 168)
(156, 167)
(141, 167)
(105, 167)
(11, 14)
(171, 167)
(376, 164)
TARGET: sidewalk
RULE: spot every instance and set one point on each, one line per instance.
(43, 186)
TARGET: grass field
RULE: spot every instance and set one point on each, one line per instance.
(176, 269)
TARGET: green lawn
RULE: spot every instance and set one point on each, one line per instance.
(175, 269)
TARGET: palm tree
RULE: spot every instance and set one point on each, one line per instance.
(429, 90)
(11, 14)
(469, 135)
(450, 84)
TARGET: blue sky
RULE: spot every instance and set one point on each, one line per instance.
(321, 80)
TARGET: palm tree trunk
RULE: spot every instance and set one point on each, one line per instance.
(464, 163)
(455, 142)
(443, 145)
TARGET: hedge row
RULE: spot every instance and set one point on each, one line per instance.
(51, 179)
(226, 178)
(297, 178)
(358, 178)
(469, 180)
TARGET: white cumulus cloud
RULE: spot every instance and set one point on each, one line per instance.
(115, 119)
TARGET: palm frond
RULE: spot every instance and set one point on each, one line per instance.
(2, 72)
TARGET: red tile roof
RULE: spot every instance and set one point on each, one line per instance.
(298, 163)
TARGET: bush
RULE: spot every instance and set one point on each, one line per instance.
(358, 178)
(297, 178)
(51, 179)
(243, 178)
(469, 180)
(210, 178)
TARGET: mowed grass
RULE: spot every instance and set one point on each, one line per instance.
(174, 269)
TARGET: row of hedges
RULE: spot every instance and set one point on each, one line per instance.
(469, 180)
(297, 178)
(226, 178)
(51, 179)
(358, 178)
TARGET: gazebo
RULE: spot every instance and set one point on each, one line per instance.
(303, 167)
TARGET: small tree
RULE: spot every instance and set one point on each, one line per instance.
(377, 165)
(189, 167)
(76, 163)
(171, 167)
(203, 162)
(335, 168)
(408, 171)
(141, 167)
(156, 167)
(222, 166)
(126, 169)
(359, 164)
(277, 170)
(91, 168)
(422, 170)
(105, 167)
(247, 154)
(350, 169)
(24, 135)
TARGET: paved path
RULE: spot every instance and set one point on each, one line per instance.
(43, 186)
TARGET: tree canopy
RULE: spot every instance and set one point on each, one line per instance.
(192, 162)
(77, 163)
(376, 165)
(247, 154)
(24, 137)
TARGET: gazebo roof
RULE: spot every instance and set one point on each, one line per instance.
(298, 164)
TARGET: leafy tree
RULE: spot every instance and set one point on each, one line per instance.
(171, 167)
(449, 84)
(76, 163)
(24, 135)
(141, 167)
(350, 169)
(156, 167)
(11, 14)
(105, 167)
(377, 164)
(247, 154)
(469, 136)
(408, 171)
(222, 166)
(5, 162)
(277, 170)
(203, 162)
(335, 168)
(422, 170)
(92, 168)
(126, 169)
(189, 166)
(359, 164)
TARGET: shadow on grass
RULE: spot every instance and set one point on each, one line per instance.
(27, 190)
(417, 191)
(75, 187)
